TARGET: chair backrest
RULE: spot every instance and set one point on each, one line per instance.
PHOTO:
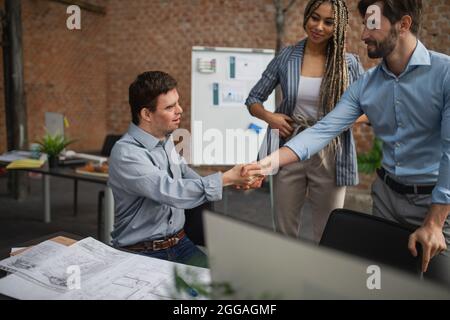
(108, 144)
(439, 270)
(381, 241)
(369, 237)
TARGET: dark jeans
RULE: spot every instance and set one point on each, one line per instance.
(185, 252)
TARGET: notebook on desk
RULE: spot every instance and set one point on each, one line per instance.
(25, 164)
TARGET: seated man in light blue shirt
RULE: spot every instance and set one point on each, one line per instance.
(151, 182)
(407, 100)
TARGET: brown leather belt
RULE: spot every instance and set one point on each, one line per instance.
(157, 245)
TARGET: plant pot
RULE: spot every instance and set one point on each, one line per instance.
(52, 161)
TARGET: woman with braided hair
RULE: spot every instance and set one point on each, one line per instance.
(313, 74)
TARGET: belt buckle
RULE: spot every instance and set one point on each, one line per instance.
(173, 241)
(156, 242)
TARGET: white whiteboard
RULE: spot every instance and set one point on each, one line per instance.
(223, 131)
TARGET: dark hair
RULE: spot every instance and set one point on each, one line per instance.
(394, 10)
(144, 91)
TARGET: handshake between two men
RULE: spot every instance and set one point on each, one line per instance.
(248, 176)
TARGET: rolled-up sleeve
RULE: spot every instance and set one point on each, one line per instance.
(441, 193)
(141, 178)
(268, 82)
(314, 139)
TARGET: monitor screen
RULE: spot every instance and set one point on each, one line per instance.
(258, 264)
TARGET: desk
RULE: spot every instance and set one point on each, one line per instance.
(5, 251)
(36, 241)
(106, 215)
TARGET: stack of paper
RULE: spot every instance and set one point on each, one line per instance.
(90, 270)
(15, 155)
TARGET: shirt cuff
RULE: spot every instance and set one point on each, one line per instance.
(298, 148)
(252, 100)
(440, 195)
(213, 186)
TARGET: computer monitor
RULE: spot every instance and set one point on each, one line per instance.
(257, 263)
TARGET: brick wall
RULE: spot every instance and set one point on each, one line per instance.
(145, 35)
(148, 35)
(85, 74)
(65, 72)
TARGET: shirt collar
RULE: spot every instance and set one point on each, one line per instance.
(146, 139)
(420, 57)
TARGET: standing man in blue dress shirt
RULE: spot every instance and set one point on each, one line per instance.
(407, 100)
(151, 182)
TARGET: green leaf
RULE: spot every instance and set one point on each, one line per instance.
(370, 161)
(53, 145)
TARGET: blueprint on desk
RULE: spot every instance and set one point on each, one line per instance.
(105, 273)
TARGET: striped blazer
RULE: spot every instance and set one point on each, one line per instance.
(285, 70)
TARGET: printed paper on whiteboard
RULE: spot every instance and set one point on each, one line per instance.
(247, 69)
(233, 94)
(206, 65)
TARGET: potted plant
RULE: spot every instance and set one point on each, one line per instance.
(53, 145)
(369, 162)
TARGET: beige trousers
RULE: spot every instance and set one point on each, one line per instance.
(313, 180)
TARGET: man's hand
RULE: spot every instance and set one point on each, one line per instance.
(281, 122)
(258, 181)
(234, 177)
(261, 168)
(430, 235)
(432, 240)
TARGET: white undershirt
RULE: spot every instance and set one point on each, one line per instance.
(307, 104)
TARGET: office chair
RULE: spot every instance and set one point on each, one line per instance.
(439, 270)
(380, 241)
(108, 144)
(194, 223)
(107, 147)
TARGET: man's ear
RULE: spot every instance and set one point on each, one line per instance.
(146, 115)
(405, 24)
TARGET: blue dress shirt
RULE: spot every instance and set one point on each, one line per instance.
(409, 113)
(152, 185)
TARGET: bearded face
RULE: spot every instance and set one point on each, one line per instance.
(382, 48)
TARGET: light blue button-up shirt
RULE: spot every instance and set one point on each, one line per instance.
(409, 113)
(152, 185)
